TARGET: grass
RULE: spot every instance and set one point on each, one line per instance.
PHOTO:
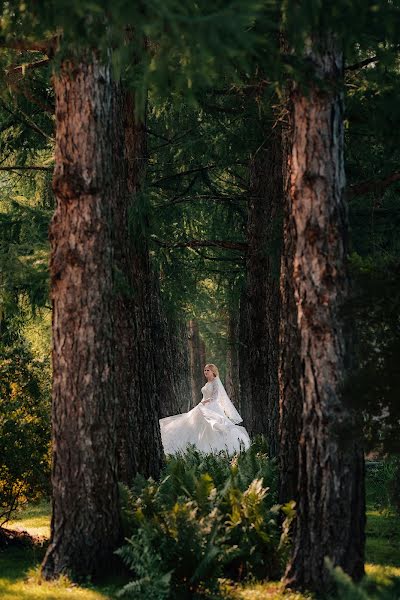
(383, 526)
(20, 578)
(34, 518)
(20, 567)
(261, 591)
(383, 539)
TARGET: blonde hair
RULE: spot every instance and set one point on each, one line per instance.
(213, 368)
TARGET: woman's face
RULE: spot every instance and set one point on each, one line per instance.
(208, 374)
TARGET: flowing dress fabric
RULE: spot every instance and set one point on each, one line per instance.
(206, 426)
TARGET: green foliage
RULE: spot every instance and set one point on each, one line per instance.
(189, 44)
(24, 430)
(375, 381)
(383, 480)
(182, 471)
(383, 538)
(23, 255)
(209, 516)
(152, 580)
(382, 586)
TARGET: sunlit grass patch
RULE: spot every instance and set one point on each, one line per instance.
(383, 538)
(59, 590)
(384, 580)
(260, 591)
(34, 518)
(20, 580)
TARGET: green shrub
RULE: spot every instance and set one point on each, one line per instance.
(24, 431)
(383, 484)
(210, 516)
(381, 586)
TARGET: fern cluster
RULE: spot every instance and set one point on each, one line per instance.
(209, 516)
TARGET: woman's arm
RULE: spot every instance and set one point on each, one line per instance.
(214, 391)
(212, 394)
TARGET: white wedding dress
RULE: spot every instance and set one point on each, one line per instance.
(210, 426)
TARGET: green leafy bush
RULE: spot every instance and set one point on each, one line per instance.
(383, 484)
(24, 430)
(210, 516)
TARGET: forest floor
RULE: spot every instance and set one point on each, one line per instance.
(20, 579)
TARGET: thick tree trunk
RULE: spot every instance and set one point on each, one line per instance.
(180, 365)
(171, 358)
(244, 370)
(261, 405)
(290, 395)
(232, 379)
(202, 357)
(197, 362)
(85, 522)
(139, 442)
(330, 519)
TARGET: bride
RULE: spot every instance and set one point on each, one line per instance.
(211, 426)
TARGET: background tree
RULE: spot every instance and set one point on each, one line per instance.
(85, 398)
(260, 300)
(138, 430)
(330, 513)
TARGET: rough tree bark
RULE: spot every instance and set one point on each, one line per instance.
(259, 375)
(232, 379)
(244, 341)
(202, 358)
(171, 359)
(85, 520)
(330, 517)
(290, 396)
(139, 441)
(197, 361)
(180, 361)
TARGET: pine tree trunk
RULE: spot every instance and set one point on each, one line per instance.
(139, 441)
(330, 521)
(290, 395)
(85, 526)
(180, 359)
(232, 379)
(202, 358)
(171, 358)
(197, 356)
(262, 292)
(244, 369)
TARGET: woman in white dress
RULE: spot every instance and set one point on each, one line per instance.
(211, 426)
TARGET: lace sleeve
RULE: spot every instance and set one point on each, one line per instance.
(214, 391)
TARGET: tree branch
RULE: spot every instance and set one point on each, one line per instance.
(370, 60)
(216, 258)
(45, 46)
(180, 197)
(44, 106)
(171, 141)
(26, 120)
(14, 74)
(26, 168)
(239, 246)
(373, 185)
(208, 197)
(183, 174)
(362, 63)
